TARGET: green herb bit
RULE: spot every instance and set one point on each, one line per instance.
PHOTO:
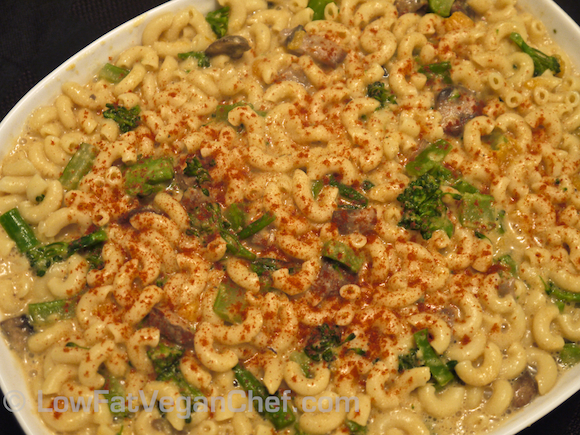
(440, 69)
(409, 361)
(148, 176)
(78, 166)
(439, 370)
(230, 303)
(318, 6)
(570, 354)
(45, 313)
(509, 263)
(316, 188)
(127, 119)
(74, 345)
(256, 226)
(381, 93)
(441, 7)
(343, 254)
(218, 21)
(200, 56)
(542, 62)
(112, 73)
(432, 156)
(321, 345)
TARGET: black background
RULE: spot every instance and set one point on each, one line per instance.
(36, 36)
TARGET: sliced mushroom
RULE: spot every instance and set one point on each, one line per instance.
(349, 221)
(171, 326)
(525, 389)
(329, 281)
(294, 74)
(324, 51)
(411, 6)
(457, 106)
(233, 46)
(17, 330)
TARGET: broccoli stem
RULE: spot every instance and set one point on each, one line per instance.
(562, 295)
(280, 418)
(439, 369)
(78, 166)
(302, 359)
(148, 176)
(112, 73)
(18, 230)
(234, 214)
(357, 199)
(43, 313)
(441, 7)
(343, 254)
(127, 119)
(235, 247)
(230, 303)
(256, 226)
(115, 390)
(429, 158)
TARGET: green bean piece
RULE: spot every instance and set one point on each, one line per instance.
(429, 158)
(43, 313)
(280, 418)
(78, 166)
(112, 73)
(439, 370)
(218, 21)
(476, 211)
(18, 230)
(318, 6)
(343, 254)
(256, 226)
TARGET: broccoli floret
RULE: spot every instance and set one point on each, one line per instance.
(542, 62)
(127, 119)
(322, 344)
(201, 175)
(148, 176)
(423, 207)
(42, 257)
(381, 93)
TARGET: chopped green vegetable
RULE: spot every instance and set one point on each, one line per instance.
(343, 254)
(230, 303)
(570, 354)
(115, 390)
(354, 428)
(367, 185)
(542, 62)
(409, 360)
(441, 7)
(440, 372)
(200, 56)
(509, 263)
(18, 230)
(306, 364)
(477, 212)
(316, 188)
(78, 166)
(201, 175)
(148, 176)
(235, 215)
(44, 313)
(281, 417)
(264, 267)
(74, 345)
(318, 6)
(381, 93)
(557, 293)
(321, 345)
(256, 226)
(352, 198)
(431, 157)
(440, 69)
(218, 21)
(127, 119)
(423, 207)
(112, 73)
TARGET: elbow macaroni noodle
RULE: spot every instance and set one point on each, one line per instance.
(301, 127)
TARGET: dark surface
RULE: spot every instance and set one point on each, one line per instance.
(36, 36)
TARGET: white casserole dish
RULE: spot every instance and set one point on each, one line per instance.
(85, 64)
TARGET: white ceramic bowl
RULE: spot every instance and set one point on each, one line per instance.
(86, 63)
